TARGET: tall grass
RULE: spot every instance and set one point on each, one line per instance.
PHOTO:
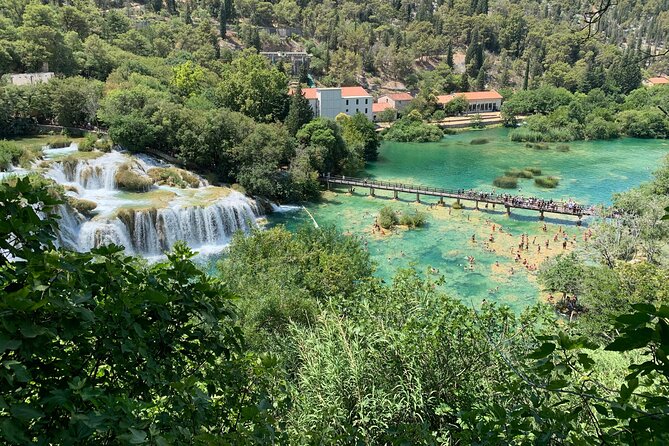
(506, 182)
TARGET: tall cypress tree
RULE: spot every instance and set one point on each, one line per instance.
(526, 78)
(222, 19)
(299, 111)
(464, 82)
(480, 80)
(449, 55)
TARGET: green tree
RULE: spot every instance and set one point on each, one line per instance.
(299, 111)
(253, 87)
(360, 135)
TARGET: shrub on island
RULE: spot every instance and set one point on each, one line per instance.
(506, 182)
(415, 220)
(547, 182)
(518, 173)
(562, 148)
(130, 181)
(534, 170)
(387, 217)
(458, 205)
(479, 141)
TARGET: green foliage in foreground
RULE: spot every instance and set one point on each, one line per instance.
(412, 129)
(100, 348)
(12, 154)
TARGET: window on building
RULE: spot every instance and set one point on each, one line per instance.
(365, 101)
(346, 101)
(357, 101)
(347, 110)
(365, 109)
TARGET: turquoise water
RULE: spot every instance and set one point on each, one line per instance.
(589, 173)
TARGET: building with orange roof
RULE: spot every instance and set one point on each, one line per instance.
(329, 102)
(378, 107)
(479, 101)
(657, 81)
(399, 101)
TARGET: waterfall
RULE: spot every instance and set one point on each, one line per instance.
(151, 232)
(148, 223)
(96, 173)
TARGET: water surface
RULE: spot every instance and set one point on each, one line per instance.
(590, 172)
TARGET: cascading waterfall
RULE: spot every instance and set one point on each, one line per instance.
(98, 173)
(205, 218)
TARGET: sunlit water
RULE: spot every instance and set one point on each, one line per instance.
(589, 173)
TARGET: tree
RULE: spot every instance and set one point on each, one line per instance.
(253, 87)
(222, 20)
(564, 274)
(187, 79)
(449, 55)
(626, 74)
(299, 111)
(75, 101)
(327, 148)
(360, 134)
(480, 80)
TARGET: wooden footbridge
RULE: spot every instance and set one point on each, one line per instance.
(508, 201)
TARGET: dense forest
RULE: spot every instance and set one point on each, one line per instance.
(293, 339)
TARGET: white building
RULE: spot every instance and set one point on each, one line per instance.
(479, 101)
(398, 101)
(329, 102)
(30, 78)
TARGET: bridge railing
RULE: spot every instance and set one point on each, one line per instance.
(555, 206)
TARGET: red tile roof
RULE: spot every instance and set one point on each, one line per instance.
(380, 106)
(347, 92)
(658, 80)
(470, 96)
(309, 93)
(400, 96)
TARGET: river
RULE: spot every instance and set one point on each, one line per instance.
(590, 173)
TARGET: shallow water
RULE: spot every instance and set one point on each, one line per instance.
(590, 172)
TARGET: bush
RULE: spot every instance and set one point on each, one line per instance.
(438, 115)
(535, 170)
(12, 154)
(458, 205)
(103, 145)
(59, 142)
(562, 148)
(479, 141)
(387, 218)
(409, 129)
(172, 176)
(523, 134)
(130, 181)
(506, 182)
(85, 207)
(88, 144)
(547, 182)
(415, 220)
(599, 128)
(517, 173)
(536, 146)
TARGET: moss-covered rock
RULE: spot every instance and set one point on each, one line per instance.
(131, 181)
(172, 176)
(85, 207)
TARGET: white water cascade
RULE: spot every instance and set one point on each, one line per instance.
(147, 223)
